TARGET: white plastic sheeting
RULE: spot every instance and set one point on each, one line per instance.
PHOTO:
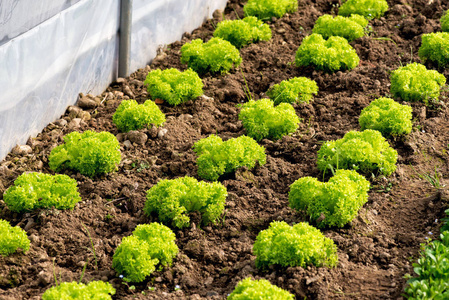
(43, 70)
(75, 50)
(169, 20)
(19, 16)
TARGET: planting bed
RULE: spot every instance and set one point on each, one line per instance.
(375, 251)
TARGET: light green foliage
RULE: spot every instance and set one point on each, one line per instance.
(174, 199)
(431, 269)
(12, 238)
(39, 190)
(435, 48)
(262, 120)
(414, 82)
(337, 200)
(133, 116)
(94, 290)
(445, 22)
(173, 86)
(243, 32)
(370, 9)
(216, 157)
(387, 116)
(266, 9)
(217, 55)
(350, 28)
(138, 255)
(297, 89)
(89, 153)
(365, 151)
(291, 246)
(258, 289)
(132, 259)
(329, 55)
(161, 239)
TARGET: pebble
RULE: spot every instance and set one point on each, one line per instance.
(22, 150)
(127, 144)
(128, 91)
(74, 124)
(137, 137)
(61, 122)
(86, 102)
(162, 132)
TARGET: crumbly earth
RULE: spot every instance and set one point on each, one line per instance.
(375, 251)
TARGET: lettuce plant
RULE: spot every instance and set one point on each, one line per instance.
(12, 238)
(387, 116)
(130, 115)
(445, 22)
(329, 55)
(39, 190)
(99, 290)
(243, 32)
(297, 89)
(174, 199)
(262, 119)
(173, 86)
(435, 48)
(217, 55)
(365, 151)
(258, 289)
(350, 28)
(337, 200)
(370, 9)
(291, 246)
(414, 82)
(216, 157)
(266, 9)
(138, 255)
(89, 153)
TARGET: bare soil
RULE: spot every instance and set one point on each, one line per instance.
(375, 251)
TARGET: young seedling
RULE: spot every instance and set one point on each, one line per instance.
(74, 290)
(89, 153)
(387, 116)
(243, 32)
(366, 152)
(39, 190)
(216, 157)
(215, 56)
(291, 246)
(266, 9)
(149, 246)
(414, 82)
(174, 199)
(297, 89)
(370, 9)
(329, 55)
(12, 239)
(173, 86)
(435, 48)
(262, 119)
(334, 203)
(133, 116)
(258, 289)
(350, 28)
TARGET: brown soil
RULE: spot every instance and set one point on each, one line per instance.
(375, 250)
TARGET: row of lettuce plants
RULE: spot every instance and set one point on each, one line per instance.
(334, 203)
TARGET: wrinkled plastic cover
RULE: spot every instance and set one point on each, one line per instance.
(19, 16)
(169, 20)
(43, 69)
